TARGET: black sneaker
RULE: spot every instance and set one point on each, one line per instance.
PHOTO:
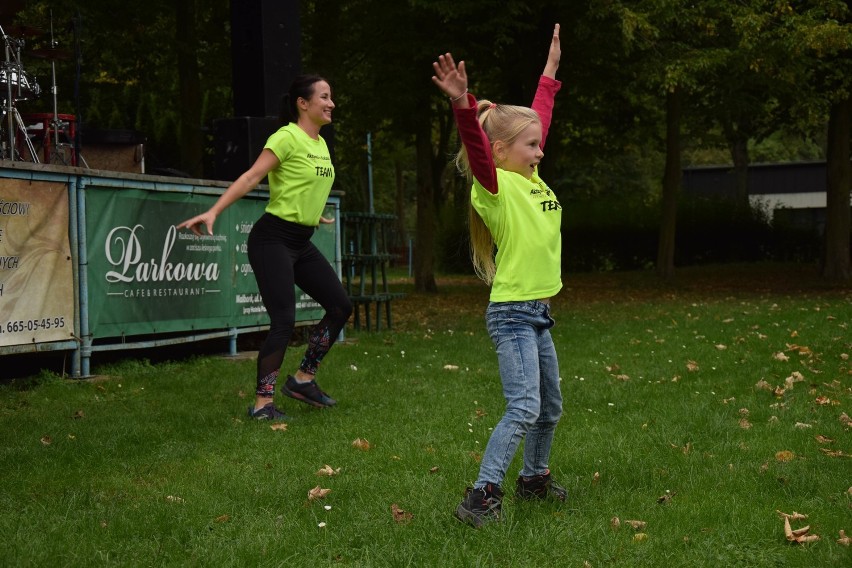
(309, 393)
(268, 412)
(480, 506)
(540, 487)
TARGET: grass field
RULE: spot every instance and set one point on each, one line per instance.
(701, 408)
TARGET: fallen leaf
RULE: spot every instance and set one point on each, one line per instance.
(845, 420)
(763, 385)
(321, 524)
(803, 425)
(399, 515)
(784, 456)
(278, 426)
(640, 537)
(844, 540)
(174, 499)
(434, 469)
(794, 516)
(223, 518)
(361, 444)
(833, 453)
(721, 347)
(46, 440)
(451, 367)
(691, 366)
(623, 378)
(328, 470)
(799, 536)
(824, 439)
(596, 477)
(780, 356)
(745, 424)
(79, 414)
(317, 493)
(663, 499)
(615, 523)
(637, 525)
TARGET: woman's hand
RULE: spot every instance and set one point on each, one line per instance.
(451, 79)
(553, 55)
(195, 223)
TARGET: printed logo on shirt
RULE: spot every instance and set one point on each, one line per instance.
(547, 204)
(315, 157)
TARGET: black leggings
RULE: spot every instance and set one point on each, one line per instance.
(282, 255)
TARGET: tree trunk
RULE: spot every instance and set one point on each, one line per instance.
(671, 187)
(738, 146)
(836, 264)
(424, 250)
(186, 44)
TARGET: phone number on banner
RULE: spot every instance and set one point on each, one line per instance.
(42, 324)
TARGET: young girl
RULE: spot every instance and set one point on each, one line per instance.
(512, 208)
(280, 251)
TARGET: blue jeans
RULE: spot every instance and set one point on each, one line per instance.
(529, 372)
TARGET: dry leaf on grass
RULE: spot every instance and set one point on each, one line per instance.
(222, 518)
(451, 367)
(434, 469)
(637, 525)
(691, 366)
(834, 453)
(794, 516)
(79, 414)
(824, 439)
(844, 540)
(663, 499)
(640, 537)
(317, 493)
(784, 456)
(845, 420)
(799, 536)
(282, 426)
(763, 385)
(399, 515)
(328, 470)
(780, 356)
(615, 523)
(46, 440)
(745, 424)
(361, 444)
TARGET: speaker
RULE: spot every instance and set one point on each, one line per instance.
(265, 48)
(238, 142)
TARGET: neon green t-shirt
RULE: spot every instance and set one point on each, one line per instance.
(525, 220)
(300, 185)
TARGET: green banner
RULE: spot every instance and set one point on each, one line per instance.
(146, 277)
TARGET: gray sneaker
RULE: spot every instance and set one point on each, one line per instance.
(309, 393)
(480, 506)
(268, 412)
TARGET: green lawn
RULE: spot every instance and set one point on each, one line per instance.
(664, 422)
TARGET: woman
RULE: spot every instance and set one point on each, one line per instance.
(297, 161)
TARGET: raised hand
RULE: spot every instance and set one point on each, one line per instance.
(451, 79)
(553, 55)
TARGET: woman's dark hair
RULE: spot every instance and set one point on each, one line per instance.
(302, 86)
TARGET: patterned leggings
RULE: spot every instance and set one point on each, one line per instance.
(282, 256)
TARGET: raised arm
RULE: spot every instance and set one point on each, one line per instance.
(548, 86)
(452, 80)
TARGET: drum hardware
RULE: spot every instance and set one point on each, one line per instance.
(19, 86)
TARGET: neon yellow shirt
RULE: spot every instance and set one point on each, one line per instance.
(524, 218)
(300, 185)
